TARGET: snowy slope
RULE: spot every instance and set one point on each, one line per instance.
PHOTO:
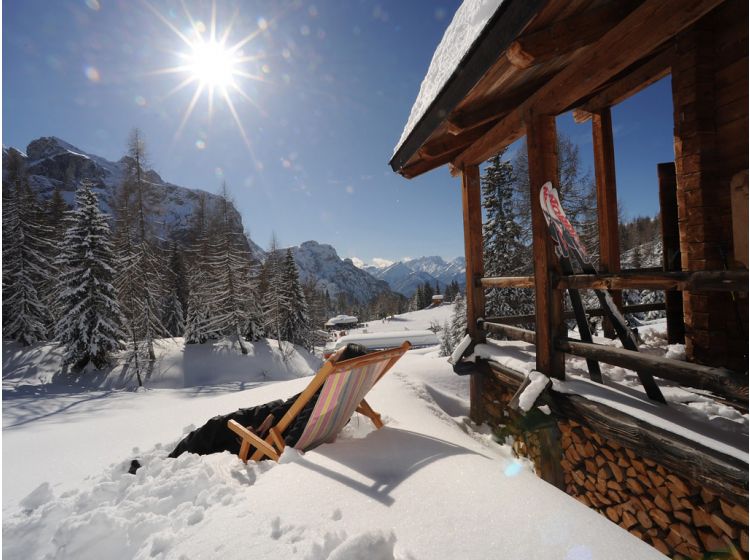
(405, 276)
(398, 493)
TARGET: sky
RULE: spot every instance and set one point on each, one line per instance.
(323, 90)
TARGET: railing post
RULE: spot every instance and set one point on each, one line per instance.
(472, 211)
(541, 141)
(670, 235)
(606, 201)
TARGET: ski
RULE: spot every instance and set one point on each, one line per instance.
(568, 243)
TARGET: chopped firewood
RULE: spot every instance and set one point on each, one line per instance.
(564, 427)
(616, 472)
(660, 518)
(614, 496)
(677, 486)
(686, 503)
(565, 464)
(588, 485)
(649, 462)
(662, 503)
(578, 477)
(734, 512)
(634, 485)
(647, 504)
(661, 470)
(711, 542)
(608, 454)
(743, 540)
(614, 445)
(688, 551)
(630, 453)
(701, 518)
(628, 520)
(584, 500)
(603, 499)
(597, 438)
(600, 460)
(686, 534)
(707, 496)
(673, 538)
(736, 554)
(590, 466)
(631, 472)
(660, 545)
(676, 505)
(637, 533)
(723, 527)
(655, 479)
(576, 437)
(588, 450)
(612, 485)
(613, 514)
(622, 462)
(682, 516)
(572, 455)
(644, 519)
(601, 486)
(639, 466)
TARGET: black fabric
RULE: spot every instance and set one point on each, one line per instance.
(214, 436)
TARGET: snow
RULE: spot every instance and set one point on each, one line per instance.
(690, 413)
(342, 320)
(378, 341)
(537, 382)
(468, 23)
(396, 493)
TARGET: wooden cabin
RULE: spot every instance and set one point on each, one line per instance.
(530, 62)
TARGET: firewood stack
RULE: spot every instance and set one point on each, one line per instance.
(680, 519)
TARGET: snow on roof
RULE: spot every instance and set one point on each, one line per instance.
(388, 339)
(342, 320)
(470, 20)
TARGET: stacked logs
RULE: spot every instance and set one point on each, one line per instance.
(680, 519)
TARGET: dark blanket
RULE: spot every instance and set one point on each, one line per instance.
(214, 436)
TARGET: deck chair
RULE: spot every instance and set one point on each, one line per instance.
(341, 387)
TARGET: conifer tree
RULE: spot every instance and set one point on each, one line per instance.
(27, 265)
(455, 331)
(197, 322)
(90, 325)
(296, 317)
(273, 297)
(176, 290)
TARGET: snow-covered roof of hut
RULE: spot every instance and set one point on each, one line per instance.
(342, 320)
(470, 20)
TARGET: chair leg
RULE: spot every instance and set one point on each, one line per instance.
(367, 410)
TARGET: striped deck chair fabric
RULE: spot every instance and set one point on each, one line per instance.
(341, 387)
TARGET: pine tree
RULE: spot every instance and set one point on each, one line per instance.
(272, 295)
(27, 264)
(176, 290)
(196, 326)
(504, 250)
(90, 326)
(296, 317)
(456, 330)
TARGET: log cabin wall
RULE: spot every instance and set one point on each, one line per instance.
(710, 96)
(664, 506)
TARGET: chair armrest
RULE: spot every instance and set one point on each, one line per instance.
(252, 439)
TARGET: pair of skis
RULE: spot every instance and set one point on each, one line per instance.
(567, 246)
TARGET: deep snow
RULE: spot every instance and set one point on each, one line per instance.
(428, 485)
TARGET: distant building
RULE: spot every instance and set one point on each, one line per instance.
(341, 322)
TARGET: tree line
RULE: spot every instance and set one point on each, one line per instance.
(99, 283)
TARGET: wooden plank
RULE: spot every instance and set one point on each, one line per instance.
(508, 282)
(566, 35)
(670, 234)
(543, 167)
(630, 82)
(450, 143)
(365, 409)
(635, 37)
(513, 333)
(473, 252)
(606, 201)
(721, 381)
(252, 440)
(703, 280)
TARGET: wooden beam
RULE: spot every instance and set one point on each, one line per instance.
(513, 333)
(721, 381)
(704, 280)
(635, 37)
(631, 82)
(449, 143)
(473, 249)
(671, 258)
(508, 282)
(543, 167)
(606, 201)
(566, 35)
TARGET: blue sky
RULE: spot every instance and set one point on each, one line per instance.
(333, 86)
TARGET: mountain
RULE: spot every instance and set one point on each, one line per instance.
(51, 162)
(321, 262)
(405, 276)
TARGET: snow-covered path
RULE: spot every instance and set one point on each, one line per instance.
(425, 486)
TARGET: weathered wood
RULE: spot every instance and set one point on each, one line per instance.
(718, 380)
(566, 35)
(508, 282)
(606, 202)
(708, 280)
(628, 309)
(543, 167)
(635, 37)
(631, 82)
(739, 194)
(513, 333)
(472, 214)
(447, 145)
(670, 234)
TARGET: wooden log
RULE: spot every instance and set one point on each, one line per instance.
(662, 503)
(702, 280)
(616, 471)
(513, 333)
(566, 35)
(660, 545)
(660, 518)
(671, 259)
(508, 282)
(734, 512)
(644, 519)
(634, 486)
(701, 518)
(718, 380)
(743, 540)
(720, 526)
(628, 520)
(613, 514)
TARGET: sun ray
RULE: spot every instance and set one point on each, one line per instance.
(167, 23)
(189, 111)
(237, 121)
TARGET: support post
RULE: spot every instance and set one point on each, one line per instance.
(541, 140)
(472, 211)
(606, 201)
(670, 234)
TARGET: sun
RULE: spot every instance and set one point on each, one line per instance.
(212, 65)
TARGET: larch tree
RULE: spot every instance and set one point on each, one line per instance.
(296, 316)
(90, 324)
(27, 260)
(176, 293)
(198, 273)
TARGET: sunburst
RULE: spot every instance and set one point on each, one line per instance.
(211, 64)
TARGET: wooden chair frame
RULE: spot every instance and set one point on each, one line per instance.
(273, 444)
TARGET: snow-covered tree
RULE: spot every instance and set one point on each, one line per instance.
(295, 317)
(198, 273)
(90, 325)
(273, 297)
(176, 293)
(455, 331)
(27, 264)
(504, 250)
